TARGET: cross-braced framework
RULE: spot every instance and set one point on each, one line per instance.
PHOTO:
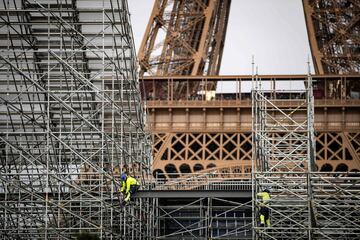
(184, 37)
(204, 218)
(333, 29)
(304, 204)
(283, 158)
(212, 205)
(207, 205)
(71, 117)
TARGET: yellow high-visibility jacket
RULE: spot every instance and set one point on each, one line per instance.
(265, 196)
(125, 186)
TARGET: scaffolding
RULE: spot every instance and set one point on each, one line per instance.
(304, 204)
(205, 217)
(213, 205)
(284, 155)
(71, 118)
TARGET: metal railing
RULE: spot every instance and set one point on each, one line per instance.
(215, 181)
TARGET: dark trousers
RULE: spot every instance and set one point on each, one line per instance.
(265, 214)
(134, 189)
(265, 211)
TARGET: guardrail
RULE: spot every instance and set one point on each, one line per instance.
(220, 181)
(204, 181)
(247, 102)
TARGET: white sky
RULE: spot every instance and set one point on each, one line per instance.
(274, 31)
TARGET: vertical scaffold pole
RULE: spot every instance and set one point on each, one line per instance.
(283, 155)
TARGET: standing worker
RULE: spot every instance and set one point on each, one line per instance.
(264, 210)
(129, 186)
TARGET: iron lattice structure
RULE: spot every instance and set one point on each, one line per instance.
(304, 204)
(184, 37)
(193, 134)
(334, 28)
(71, 117)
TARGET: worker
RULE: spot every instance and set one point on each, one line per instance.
(129, 186)
(264, 210)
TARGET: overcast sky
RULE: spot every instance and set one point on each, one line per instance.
(274, 31)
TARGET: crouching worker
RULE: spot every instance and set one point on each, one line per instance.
(129, 187)
(264, 210)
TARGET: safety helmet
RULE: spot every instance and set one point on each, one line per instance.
(267, 190)
(123, 177)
